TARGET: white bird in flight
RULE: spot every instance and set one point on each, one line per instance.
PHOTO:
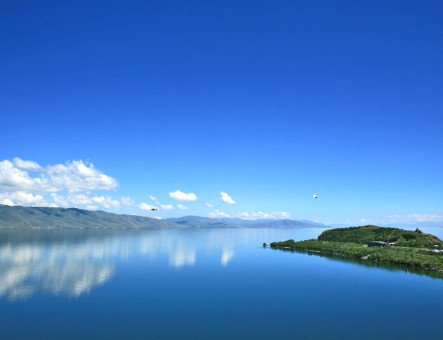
(314, 196)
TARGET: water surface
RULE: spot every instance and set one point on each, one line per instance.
(201, 283)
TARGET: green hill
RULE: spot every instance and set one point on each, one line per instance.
(364, 234)
(375, 244)
(18, 217)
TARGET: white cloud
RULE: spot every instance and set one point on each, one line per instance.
(126, 201)
(218, 214)
(106, 201)
(182, 207)
(6, 201)
(251, 215)
(182, 196)
(79, 199)
(75, 176)
(146, 206)
(26, 165)
(22, 198)
(415, 218)
(264, 215)
(13, 177)
(226, 198)
(25, 182)
(59, 200)
(209, 205)
(396, 219)
(160, 205)
(75, 200)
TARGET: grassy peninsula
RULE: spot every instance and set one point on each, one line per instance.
(393, 246)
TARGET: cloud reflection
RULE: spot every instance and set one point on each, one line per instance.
(182, 257)
(69, 270)
(74, 264)
(226, 256)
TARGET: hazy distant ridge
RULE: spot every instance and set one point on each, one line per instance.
(35, 217)
(200, 222)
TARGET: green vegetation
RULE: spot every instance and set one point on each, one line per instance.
(362, 235)
(408, 248)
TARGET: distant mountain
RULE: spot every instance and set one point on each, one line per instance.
(34, 217)
(197, 222)
(204, 222)
(19, 217)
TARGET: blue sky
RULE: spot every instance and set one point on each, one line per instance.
(267, 101)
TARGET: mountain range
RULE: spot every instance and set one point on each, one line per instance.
(19, 217)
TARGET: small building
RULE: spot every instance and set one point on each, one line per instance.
(378, 244)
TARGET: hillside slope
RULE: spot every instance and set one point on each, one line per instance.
(34, 217)
(42, 217)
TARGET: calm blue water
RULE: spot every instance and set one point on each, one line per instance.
(208, 283)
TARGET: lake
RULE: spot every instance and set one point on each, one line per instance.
(203, 283)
